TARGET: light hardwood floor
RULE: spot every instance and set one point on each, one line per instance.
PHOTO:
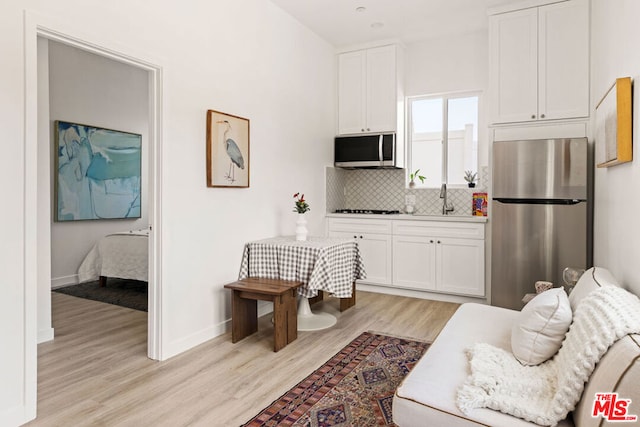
(96, 371)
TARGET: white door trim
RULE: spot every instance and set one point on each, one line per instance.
(40, 26)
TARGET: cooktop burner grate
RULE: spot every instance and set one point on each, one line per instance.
(368, 211)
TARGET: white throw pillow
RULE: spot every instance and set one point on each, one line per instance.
(541, 326)
(592, 279)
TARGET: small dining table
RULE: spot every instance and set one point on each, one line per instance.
(320, 263)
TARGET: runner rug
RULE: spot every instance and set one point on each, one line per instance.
(354, 388)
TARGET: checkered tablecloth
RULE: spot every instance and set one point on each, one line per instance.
(326, 264)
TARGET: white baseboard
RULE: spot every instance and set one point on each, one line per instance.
(435, 296)
(183, 344)
(17, 415)
(198, 338)
(60, 282)
(45, 335)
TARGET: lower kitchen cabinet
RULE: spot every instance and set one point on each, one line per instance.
(449, 265)
(432, 256)
(460, 266)
(375, 250)
(414, 265)
(437, 256)
(374, 242)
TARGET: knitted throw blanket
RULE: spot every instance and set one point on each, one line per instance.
(546, 393)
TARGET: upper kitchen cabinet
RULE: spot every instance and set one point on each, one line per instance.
(539, 60)
(370, 91)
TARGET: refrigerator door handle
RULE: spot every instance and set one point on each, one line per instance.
(538, 201)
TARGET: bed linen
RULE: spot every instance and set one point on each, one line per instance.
(123, 255)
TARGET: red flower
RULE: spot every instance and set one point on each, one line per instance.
(301, 205)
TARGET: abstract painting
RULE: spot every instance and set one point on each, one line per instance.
(97, 173)
(227, 150)
(613, 125)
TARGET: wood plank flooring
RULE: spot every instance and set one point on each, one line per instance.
(96, 371)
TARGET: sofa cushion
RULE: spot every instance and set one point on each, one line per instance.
(427, 396)
(541, 326)
(617, 372)
(592, 279)
(619, 369)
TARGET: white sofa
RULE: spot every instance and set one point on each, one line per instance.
(427, 396)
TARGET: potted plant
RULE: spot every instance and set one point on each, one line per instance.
(414, 176)
(301, 207)
(470, 177)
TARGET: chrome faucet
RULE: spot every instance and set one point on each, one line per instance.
(446, 207)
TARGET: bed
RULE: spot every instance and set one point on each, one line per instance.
(123, 255)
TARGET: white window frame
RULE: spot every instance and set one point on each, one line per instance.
(445, 96)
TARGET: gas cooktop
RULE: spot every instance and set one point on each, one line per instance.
(367, 211)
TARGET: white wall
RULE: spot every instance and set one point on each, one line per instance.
(93, 90)
(453, 64)
(615, 38)
(246, 58)
(459, 63)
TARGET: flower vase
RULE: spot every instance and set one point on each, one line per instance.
(301, 228)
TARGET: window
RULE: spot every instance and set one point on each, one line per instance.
(443, 138)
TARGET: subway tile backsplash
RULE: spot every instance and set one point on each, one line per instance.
(385, 189)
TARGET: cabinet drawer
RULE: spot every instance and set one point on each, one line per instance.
(438, 229)
(373, 226)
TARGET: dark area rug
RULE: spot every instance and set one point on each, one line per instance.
(122, 292)
(354, 388)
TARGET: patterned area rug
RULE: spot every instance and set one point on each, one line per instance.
(354, 388)
(122, 292)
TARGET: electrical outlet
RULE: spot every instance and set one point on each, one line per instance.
(410, 199)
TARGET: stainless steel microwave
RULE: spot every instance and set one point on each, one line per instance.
(367, 151)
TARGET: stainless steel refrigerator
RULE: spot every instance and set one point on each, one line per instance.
(538, 214)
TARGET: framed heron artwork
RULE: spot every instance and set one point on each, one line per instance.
(227, 150)
(97, 173)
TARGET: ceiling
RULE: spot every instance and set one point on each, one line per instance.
(339, 23)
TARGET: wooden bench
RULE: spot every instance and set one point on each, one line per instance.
(244, 308)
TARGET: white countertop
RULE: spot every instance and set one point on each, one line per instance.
(415, 217)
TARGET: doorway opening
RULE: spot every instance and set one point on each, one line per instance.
(38, 27)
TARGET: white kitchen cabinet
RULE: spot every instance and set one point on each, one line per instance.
(445, 257)
(439, 257)
(369, 90)
(374, 242)
(539, 60)
(352, 92)
(460, 266)
(414, 264)
(514, 66)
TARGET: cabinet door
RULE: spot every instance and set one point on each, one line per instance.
(513, 60)
(414, 262)
(381, 89)
(375, 250)
(351, 92)
(564, 60)
(460, 266)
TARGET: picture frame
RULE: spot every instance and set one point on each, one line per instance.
(613, 125)
(97, 174)
(228, 160)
